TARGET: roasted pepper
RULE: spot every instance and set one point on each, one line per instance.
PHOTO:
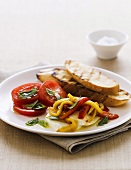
(71, 127)
(81, 101)
(110, 116)
(83, 111)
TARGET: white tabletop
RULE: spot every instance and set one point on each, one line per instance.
(53, 31)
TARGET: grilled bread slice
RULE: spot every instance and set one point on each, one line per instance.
(91, 78)
(120, 98)
(66, 81)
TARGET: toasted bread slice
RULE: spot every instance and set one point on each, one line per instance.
(71, 86)
(46, 74)
(120, 98)
(91, 78)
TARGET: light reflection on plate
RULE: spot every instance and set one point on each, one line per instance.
(18, 121)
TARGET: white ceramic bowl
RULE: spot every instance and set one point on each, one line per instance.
(107, 43)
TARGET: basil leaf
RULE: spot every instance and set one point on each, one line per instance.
(72, 106)
(32, 122)
(36, 105)
(103, 121)
(53, 117)
(53, 93)
(43, 123)
(39, 106)
(28, 94)
(31, 105)
(50, 92)
(37, 121)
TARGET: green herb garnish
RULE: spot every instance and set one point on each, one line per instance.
(37, 121)
(53, 117)
(52, 93)
(28, 94)
(43, 123)
(36, 105)
(32, 122)
(103, 121)
(72, 106)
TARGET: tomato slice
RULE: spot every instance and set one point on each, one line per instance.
(29, 112)
(50, 91)
(26, 93)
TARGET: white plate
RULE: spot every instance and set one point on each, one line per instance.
(18, 121)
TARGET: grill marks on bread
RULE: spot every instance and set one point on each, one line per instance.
(91, 78)
(71, 86)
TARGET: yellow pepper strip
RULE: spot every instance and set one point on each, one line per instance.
(55, 111)
(90, 111)
(61, 106)
(101, 106)
(94, 105)
(58, 102)
(52, 111)
(92, 117)
(72, 98)
(70, 128)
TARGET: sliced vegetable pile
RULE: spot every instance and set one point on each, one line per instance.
(34, 99)
(78, 112)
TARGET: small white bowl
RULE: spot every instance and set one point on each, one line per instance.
(107, 43)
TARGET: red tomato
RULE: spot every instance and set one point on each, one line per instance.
(30, 112)
(18, 100)
(49, 91)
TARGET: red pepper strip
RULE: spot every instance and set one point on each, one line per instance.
(110, 115)
(106, 109)
(80, 102)
(83, 111)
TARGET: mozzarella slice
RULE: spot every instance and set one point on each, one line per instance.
(84, 122)
(56, 124)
